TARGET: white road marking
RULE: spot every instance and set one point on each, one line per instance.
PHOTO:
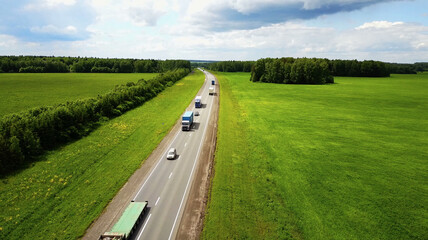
(176, 135)
(144, 226)
(191, 174)
(157, 201)
(185, 144)
(190, 134)
(170, 175)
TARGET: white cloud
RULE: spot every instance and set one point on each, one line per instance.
(51, 29)
(49, 4)
(378, 25)
(401, 42)
(138, 12)
(54, 3)
(7, 41)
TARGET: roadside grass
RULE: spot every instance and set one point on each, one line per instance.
(22, 91)
(340, 161)
(59, 197)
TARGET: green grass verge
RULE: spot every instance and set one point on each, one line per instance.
(341, 161)
(22, 91)
(58, 197)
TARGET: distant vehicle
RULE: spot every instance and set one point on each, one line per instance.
(127, 223)
(198, 102)
(211, 91)
(172, 153)
(213, 82)
(187, 121)
(196, 113)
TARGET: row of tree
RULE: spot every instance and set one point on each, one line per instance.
(292, 71)
(232, 66)
(350, 68)
(354, 68)
(407, 68)
(23, 136)
(40, 64)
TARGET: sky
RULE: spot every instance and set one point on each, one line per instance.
(384, 30)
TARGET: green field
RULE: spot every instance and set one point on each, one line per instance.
(58, 197)
(21, 91)
(341, 161)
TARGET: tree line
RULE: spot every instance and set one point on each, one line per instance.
(26, 135)
(407, 68)
(337, 67)
(42, 64)
(232, 66)
(292, 71)
(354, 68)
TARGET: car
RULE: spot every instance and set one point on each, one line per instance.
(172, 153)
(196, 113)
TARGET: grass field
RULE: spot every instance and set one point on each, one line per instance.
(341, 161)
(21, 91)
(61, 195)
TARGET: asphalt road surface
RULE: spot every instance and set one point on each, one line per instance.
(167, 186)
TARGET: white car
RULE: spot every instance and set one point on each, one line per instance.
(172, 153)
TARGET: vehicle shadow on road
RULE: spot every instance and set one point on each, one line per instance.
(177, 156)
(195, 126)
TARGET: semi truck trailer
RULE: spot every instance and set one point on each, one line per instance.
(187, 121)
(127, 223)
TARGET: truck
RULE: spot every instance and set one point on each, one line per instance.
(187, 121)
(212, 82)
(211, 91)
(127, 223)
(198, 102)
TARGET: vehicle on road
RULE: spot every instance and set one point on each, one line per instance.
(211, 91)
(127, 223)
(198, 102)
(187, 121)
(213, 82)
(196, 113)
(172, 153)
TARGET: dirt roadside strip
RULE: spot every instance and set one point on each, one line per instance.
(191, 223)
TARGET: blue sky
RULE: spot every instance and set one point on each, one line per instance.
(386, 30)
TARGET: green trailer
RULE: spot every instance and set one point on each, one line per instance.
(127, 223)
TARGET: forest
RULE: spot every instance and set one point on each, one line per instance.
(292, 71)
(45, 64)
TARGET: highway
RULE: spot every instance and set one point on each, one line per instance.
(167, 185)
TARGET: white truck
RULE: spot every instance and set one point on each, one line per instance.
(211, 90)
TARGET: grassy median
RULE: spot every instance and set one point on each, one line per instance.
(62, 194)
(340, 161)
